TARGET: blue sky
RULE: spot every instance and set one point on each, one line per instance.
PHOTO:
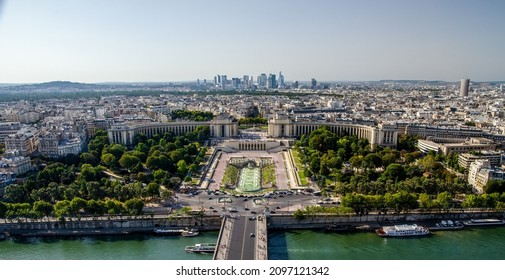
(112, 40)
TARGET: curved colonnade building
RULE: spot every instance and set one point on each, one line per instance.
(221, 126)
(280, 126)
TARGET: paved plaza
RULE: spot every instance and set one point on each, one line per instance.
(280, 168)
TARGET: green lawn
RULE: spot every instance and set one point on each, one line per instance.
(230, 175)
(268, 175)
(299, 166)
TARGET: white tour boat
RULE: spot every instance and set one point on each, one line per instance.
(201, 248)
(402, 231)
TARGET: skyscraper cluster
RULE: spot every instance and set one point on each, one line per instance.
(263, 81)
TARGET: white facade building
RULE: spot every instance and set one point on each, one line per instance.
(15, 164)
(56, 145)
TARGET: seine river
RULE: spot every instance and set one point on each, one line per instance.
(469, 244)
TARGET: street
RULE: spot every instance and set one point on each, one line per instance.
(212, 203)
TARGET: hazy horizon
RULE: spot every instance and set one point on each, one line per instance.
(176, 41)
(211, 81)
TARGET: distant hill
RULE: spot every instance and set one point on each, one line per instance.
(56, 86)
(68, 89)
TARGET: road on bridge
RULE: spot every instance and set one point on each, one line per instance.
(242, 239)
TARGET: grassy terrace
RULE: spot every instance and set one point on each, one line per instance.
(268, 175)
(230, 175)
(299, 167)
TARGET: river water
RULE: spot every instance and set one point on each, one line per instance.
(470, 244)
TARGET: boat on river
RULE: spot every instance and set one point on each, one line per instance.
(201, 248)
(484, 222)
(162, 231)
(448, 225)
(402, 231)
(189, 232)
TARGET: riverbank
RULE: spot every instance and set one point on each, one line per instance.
(146, 225)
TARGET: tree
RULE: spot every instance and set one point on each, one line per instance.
(128, 161)
(473, 201)
(16, 210)
(354, 201)
(114, 207)
(411, 157)
(356, 161)
(90, 173)
(153, 189)
(389, 158)
(394, 172)
(407, 142)
(54, 173)
(158, 162)
(193, 167)
(166, 194)
(89, 158)
(15, 193)
(430, 164)
(77, 204)
(404, 200)
(177, 154)
(116, 149)
(3, 209)
(424, 201)
(94, 190)
(452, 160)
(62, 208)
(134, 206)
(495, 186)
(174, 181)
(140, 155)
(95, 207)
(159, 175)
(182, 167)
(42, 208)
(98, 142)
(299, 214)
(444, 200)
(322, 140)
(109, 160)
(372, 161)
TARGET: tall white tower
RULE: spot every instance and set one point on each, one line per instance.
(463, 88)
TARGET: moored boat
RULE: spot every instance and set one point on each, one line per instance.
(339, 228)
(448, 225)
(484, 222)
(189, 232)
(402, 231)
(201, 248)
(162, 231)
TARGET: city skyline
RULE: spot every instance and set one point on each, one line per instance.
(121, 41)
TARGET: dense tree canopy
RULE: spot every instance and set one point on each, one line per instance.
(346, 164)
(109, 178)
(192, 115)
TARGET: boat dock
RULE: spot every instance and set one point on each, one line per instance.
(242, 238)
